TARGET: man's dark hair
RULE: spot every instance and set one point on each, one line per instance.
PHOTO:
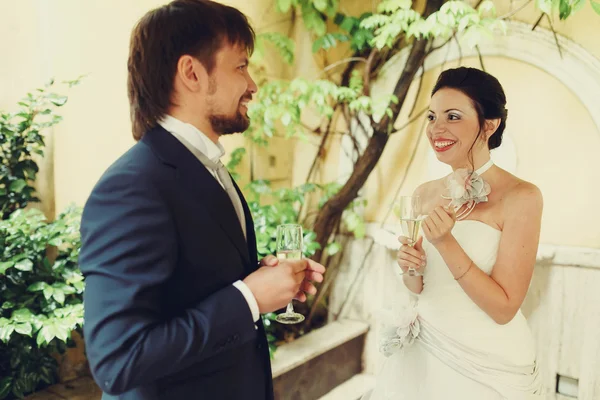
(195, 27)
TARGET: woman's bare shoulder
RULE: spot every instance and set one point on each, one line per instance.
(430, 188)
(521, 195)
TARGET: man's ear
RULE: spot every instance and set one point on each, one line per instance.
(191, 74)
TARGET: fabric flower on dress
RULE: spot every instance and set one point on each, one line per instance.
(466, 188)
(401, 329)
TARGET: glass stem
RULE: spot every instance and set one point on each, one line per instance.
(290, 308)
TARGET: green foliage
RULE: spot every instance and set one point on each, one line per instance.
(21, 136)
(282, 43)
(396, 19)
(360, 38)
(274, 207)
(314, 12)
(329, 41)
(41, 296)
(270, 208)
(565, 8)
(40, 281)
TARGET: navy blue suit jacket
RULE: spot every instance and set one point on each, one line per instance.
(161, 247)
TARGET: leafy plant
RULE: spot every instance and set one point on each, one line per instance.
(41, 296)
(21, 136)
(40, 281)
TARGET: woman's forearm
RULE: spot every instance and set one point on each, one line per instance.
(480, 287)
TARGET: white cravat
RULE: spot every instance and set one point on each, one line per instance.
(189, 135)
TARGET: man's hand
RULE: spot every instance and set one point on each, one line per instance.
(277, 282)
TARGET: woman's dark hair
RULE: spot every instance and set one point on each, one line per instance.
(196, 27)
(486, 94)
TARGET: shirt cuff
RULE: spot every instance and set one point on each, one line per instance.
(250, 299)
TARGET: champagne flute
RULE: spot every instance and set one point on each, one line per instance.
(289, 247)
(408, 211)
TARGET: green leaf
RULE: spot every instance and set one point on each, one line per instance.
(5, 332)
(24, 329)
(284, 44)
(59, 296)
(596, 6)
(7, 305)
(17, 186)
(333, 248)
(24, 265)
(564, 9)
(37, 286)
(55, 242)
(5, 386)
(320, 5)
(349, 23)
(40, 339)
(487, 6)
(22, 315)
(48, 332)
(58, 101)
(328, 41)
(284, 5)
(48, 290)
(4, 266)
(545, 6)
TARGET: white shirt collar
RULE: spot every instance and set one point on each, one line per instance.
(178, 128)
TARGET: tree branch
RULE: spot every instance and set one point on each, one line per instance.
(344, 61)
(414, 106)
(368, 252)
(555, 36)
(538, 22)
(480, 57)
(460, 53)
(410, 121)
(511, 13)
(331, 212)
(442, 45)
(367, 73)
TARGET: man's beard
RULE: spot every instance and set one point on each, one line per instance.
(226, 125)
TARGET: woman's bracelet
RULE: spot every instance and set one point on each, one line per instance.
(464, 273)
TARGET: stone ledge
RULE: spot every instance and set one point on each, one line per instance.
(317, 363)
(315, 343)
(568, 256)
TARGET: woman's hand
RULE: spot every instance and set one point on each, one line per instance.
(411, 256)
(438, 225)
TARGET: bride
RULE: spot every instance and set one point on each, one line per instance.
(466, 337)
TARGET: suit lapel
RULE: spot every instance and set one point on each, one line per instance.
(250, 235)
(194, 179)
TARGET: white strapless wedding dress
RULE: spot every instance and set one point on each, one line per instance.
(454, 350)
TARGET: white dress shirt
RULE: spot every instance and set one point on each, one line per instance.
(214, 151)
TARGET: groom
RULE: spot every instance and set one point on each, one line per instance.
(174, 290)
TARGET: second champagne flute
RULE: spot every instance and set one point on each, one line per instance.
(289, 247)
(408, 211)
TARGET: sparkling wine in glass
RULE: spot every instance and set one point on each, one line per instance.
(408, 211)
(289, 247)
